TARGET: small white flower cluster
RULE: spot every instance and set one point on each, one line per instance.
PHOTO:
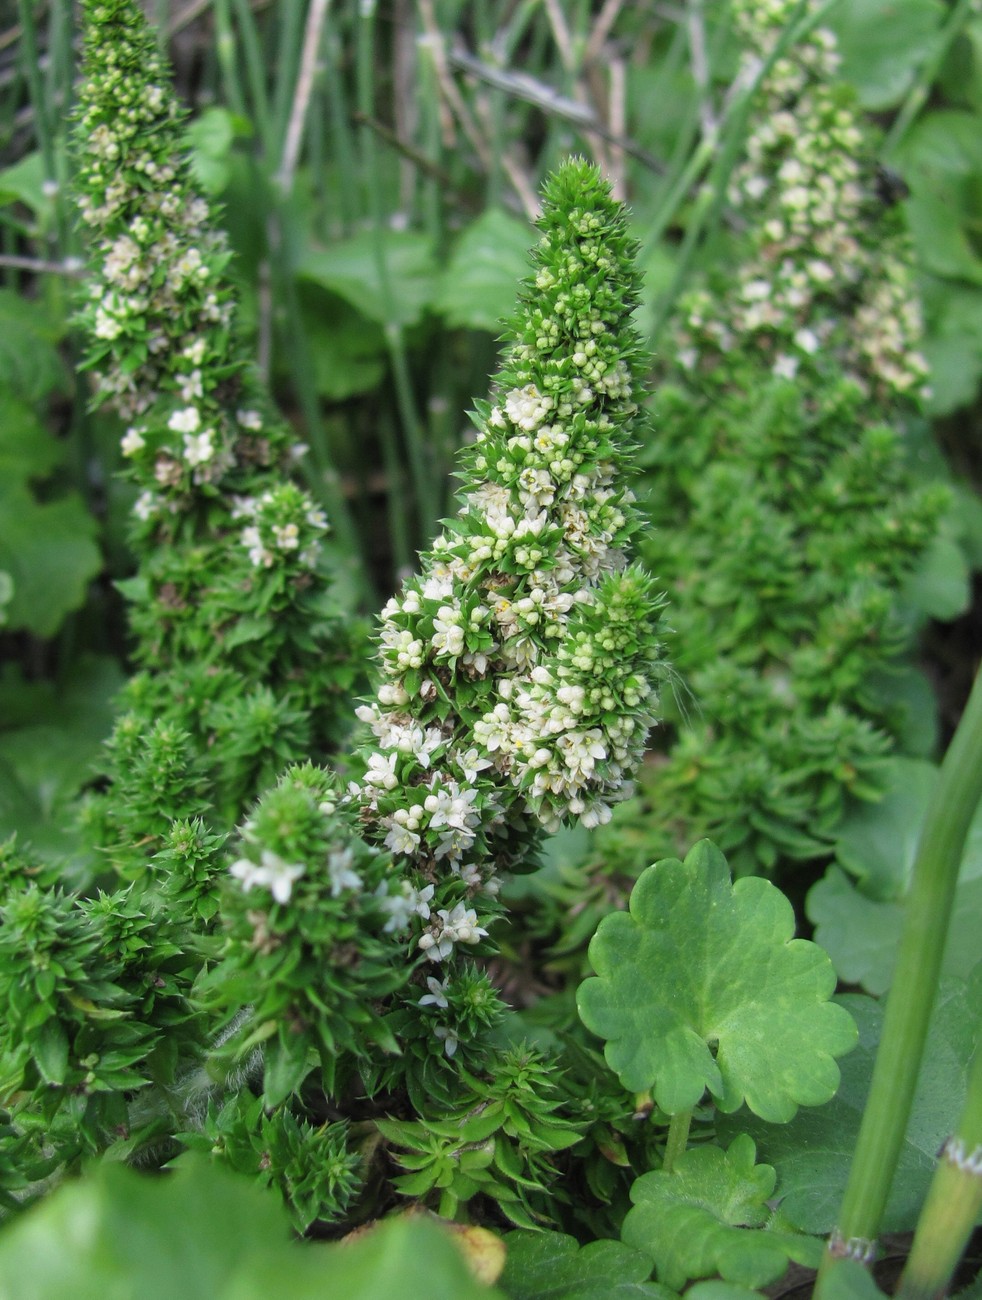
(284, 525)
(160, 305)
(449, 928)
(807, 184)
(271, 873)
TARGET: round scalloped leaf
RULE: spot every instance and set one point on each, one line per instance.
(699, 1220)
(702, 985)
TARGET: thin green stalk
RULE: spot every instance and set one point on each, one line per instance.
(912, 996)
(227, 50)
(288, 59)
(43, 128)
(918, 93)
(343, 148)
(953, 1204)
(678, 1136)
(424, 486)
(255, 65)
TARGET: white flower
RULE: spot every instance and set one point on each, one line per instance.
(401, 839)
(448, 636)
(807, 340)
(287, 536)
(450, 1039)
(145, 505)
(470, 763)
(133, 441)
(187, 420)
(198, 447)
(402, 907)
(273, 874)
(341, 873)
(437, 996)
(526, 407)
(382, 771)
(785, 367)
(258, 554)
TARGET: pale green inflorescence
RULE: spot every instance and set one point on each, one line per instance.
(520, 665)
(161, 307)
(804, 187)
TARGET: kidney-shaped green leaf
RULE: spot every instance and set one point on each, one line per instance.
(702, 985)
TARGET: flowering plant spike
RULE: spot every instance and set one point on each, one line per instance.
(520, 666)
(238, 635)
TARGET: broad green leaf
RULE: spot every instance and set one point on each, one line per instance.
(30, 366)
(941, 142)
(347, 350)
(388, 275)
(27, 450)
(23, 182)
(402, 1257)
(477, 286)
(953, 345)
(50, 748)
(702, 985)
(721, 1291)
(956, 367)
(883, 43)
(907, 693)
(551, 1266)
(50, 553)
(204, 1234)
(848, 1280)
(861, 935)
(877, 842)
(210, 139)
(943, 246)
(940, 586)
(859, 924)
(709, 1216)
(813, 1153)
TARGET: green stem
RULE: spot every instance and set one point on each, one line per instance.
(255, 64)
(911, 999)
(953, 1203)
(42, 115)
(424, 486)
(678, 1136)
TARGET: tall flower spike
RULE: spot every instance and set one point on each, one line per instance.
(520, 664)
(235, 626)
(161, 305)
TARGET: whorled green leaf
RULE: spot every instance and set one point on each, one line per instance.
(703, 986)
(552, 1266)
(477, 286)
(709, 1216)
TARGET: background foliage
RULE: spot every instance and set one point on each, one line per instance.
(377, 198)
